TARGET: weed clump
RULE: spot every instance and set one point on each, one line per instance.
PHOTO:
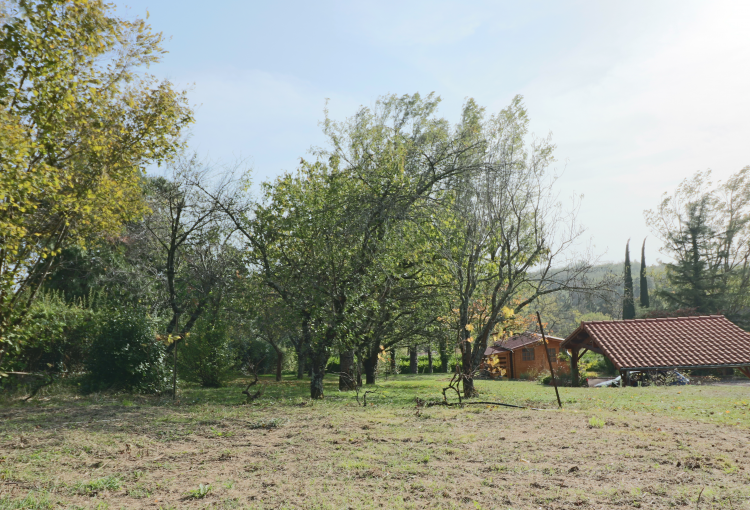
(199, 493)
(271, 423)
(93, 487)
(596, 423)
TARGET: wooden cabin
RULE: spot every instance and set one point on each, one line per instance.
(522, 354)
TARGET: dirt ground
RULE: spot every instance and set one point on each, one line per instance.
(322, 455)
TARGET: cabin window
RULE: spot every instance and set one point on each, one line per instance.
(551, 353)
(527, 354)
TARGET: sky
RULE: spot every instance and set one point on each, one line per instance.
(638, 95)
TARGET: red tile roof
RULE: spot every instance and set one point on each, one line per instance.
(518, 341)
(673, 342)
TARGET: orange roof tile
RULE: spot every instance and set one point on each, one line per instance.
(671, 342)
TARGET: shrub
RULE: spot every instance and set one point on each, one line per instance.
(206, 356)
(404, 366)
(246, 351)
(564, 379)
(54, 337)
(126, 355)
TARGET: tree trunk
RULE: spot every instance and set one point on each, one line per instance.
(279, 364)
(359, 370)
(393, 362)
(371, 366)
(318, 362)
(300, 366)
(413, 360)
(347, 377)
(429, 358)
(467, 369)
(444, 358)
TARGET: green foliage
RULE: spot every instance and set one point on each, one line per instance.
(270, 423)
(251, 351)
(564, 379)
(596, 423)
(77, 127)
(199, 493)
(628, 303)
(93, 487)
(55, 337)
(206, 356)
(705, 229)
(125, 354)
(32, 501)
(696, 283)
(423, 365)
(644, 301)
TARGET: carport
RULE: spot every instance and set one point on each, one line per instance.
(662, 344)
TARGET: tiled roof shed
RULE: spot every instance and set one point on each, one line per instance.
(680, 342)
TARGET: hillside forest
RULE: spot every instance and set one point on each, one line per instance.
(129, 262)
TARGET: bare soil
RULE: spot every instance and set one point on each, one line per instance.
(324, 455)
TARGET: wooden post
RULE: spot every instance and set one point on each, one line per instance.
(574, 355)
(745, 371)
(546, 350)
(174, 372)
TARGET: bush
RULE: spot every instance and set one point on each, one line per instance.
(126, 355)
(404, 366)
(246, 351)
(564, 379)
(54, 337)
(206, 356)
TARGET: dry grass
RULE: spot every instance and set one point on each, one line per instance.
(209, 451)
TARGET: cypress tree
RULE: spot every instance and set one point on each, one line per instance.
(644, 281)
(628, 303)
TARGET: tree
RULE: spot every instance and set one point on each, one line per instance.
(77, 127)
(190, 245)
(644, 280)
(318, 238)
(503, 236)
(705, 229)
(697, 284)
(628, 303)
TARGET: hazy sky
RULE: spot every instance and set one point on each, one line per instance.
(637, 94)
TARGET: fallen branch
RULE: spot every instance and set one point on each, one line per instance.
(352, 383)
(253, 396)
(453, 385)
(433, 403)
(36, 390)
(364, 397)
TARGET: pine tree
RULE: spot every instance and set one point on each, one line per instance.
(696, 277)
(628, 303)
(644, 281)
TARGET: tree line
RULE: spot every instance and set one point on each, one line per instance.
(402, 230)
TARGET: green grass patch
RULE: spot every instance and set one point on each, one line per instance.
(596, 423)
(93, 487)
(201, 492)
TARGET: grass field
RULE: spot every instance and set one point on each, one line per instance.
(608, 448)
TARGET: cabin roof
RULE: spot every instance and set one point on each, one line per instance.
(516, 342)
(676, 342)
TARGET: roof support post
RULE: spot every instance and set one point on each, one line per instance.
(574, 355)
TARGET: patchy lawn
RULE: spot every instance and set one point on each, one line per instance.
(609, 448)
